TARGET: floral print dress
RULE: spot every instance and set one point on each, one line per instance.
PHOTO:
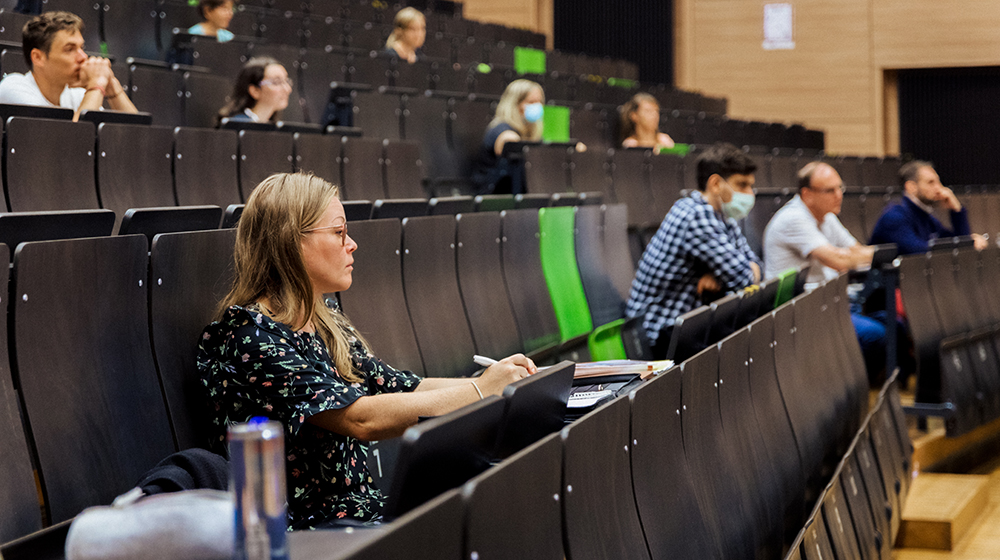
(252, 366)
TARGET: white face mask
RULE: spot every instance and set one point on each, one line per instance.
(739, 206)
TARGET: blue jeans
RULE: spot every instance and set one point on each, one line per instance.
(871, 337)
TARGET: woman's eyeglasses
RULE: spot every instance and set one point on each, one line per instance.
(342, 233)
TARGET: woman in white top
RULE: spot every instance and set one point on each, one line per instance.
(261, 92)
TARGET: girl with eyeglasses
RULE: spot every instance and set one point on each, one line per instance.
(260, 93)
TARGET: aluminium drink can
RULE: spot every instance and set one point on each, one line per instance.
(257, 462)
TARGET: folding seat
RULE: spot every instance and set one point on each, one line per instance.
(49, 165)
(134, 166)
(589, 172)
(88, 11)
(525, 280)
(852, 360)
(425, 122)
(662, 477)
(223, 59)
(262, 154)
(451, 205)
(282, 28)
(855, 498)
(725, 312)
(11, 23)
(959, 386)
(169, 219)
(357, 210)
(469, 120)
(783, 173)
(797, 394)
(816, 540)
(18, 227)
(12, 61)
(399, 208)
(852, 214)
(605, 303)
(21, 512)
(880, 504)
(489, 84)
(616, 248)
(773, 422)
(368, 69)
(892, 453)
(377, 293)
(158, 91)
(749, 307)
(317, 70)
(416, 75)
(879, 172)
(849, 169)
(204, 96)
(205, 167)
(755, 223)
(480, 278)
(366, 36)
(430, 279)
(723, 503)
(121, 425)
(494, 202)
(439, 46)
(189, 274)
(630, 171)
(597, 477)
(529, 483)
(469, 52)
(562, 274)
(666, 181)
(323, 32)
(535, 201)
(319, 154)
(361, 169)
(690, 334)
(377, 114)
(546, 168)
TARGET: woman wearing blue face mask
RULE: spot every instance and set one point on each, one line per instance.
(518, 118)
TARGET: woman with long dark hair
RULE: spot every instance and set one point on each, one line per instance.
(260, 93)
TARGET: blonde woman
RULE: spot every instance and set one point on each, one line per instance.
(408, 33)
(640, 118)
(518, 118)
(278, 351)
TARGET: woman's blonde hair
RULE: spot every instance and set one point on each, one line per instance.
(404, 18)
(269, 265)
(509, 112)
(628, 109)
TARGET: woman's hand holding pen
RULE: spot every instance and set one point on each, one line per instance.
(508, 370)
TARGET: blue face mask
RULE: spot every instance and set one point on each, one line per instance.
(533, 112)
(739, 206)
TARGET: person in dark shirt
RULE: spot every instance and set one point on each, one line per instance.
(278, 351)
(911, 224)
(408, 34)
(518, 117)
(260, 93)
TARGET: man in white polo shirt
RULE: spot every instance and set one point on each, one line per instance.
(62, 75)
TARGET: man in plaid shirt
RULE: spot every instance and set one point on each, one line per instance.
(699, 249)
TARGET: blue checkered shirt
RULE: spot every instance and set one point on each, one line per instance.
(692, 240)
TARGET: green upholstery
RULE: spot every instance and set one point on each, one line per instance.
(786, 287)
(605, 342)
(555, 127)
(558, 253)
(529, 61)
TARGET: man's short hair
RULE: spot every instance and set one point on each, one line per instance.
(41, 30)
(909, 170)
(725, 160)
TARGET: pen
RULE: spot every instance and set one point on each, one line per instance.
(483, 360)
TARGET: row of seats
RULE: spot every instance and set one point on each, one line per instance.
(402, 267)
(724, 456)
(952, 318)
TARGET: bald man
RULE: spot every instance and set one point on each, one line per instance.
(806, 230)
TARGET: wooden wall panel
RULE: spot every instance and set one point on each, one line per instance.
(835, 77)
(936, 33)
(535, 15)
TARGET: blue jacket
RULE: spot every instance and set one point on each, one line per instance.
(911, 229)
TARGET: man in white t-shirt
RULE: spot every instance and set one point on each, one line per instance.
(807, 231)
(62, 75)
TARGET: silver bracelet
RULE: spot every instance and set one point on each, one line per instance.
(477, 390)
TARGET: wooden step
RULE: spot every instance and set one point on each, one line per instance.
(940, 508)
